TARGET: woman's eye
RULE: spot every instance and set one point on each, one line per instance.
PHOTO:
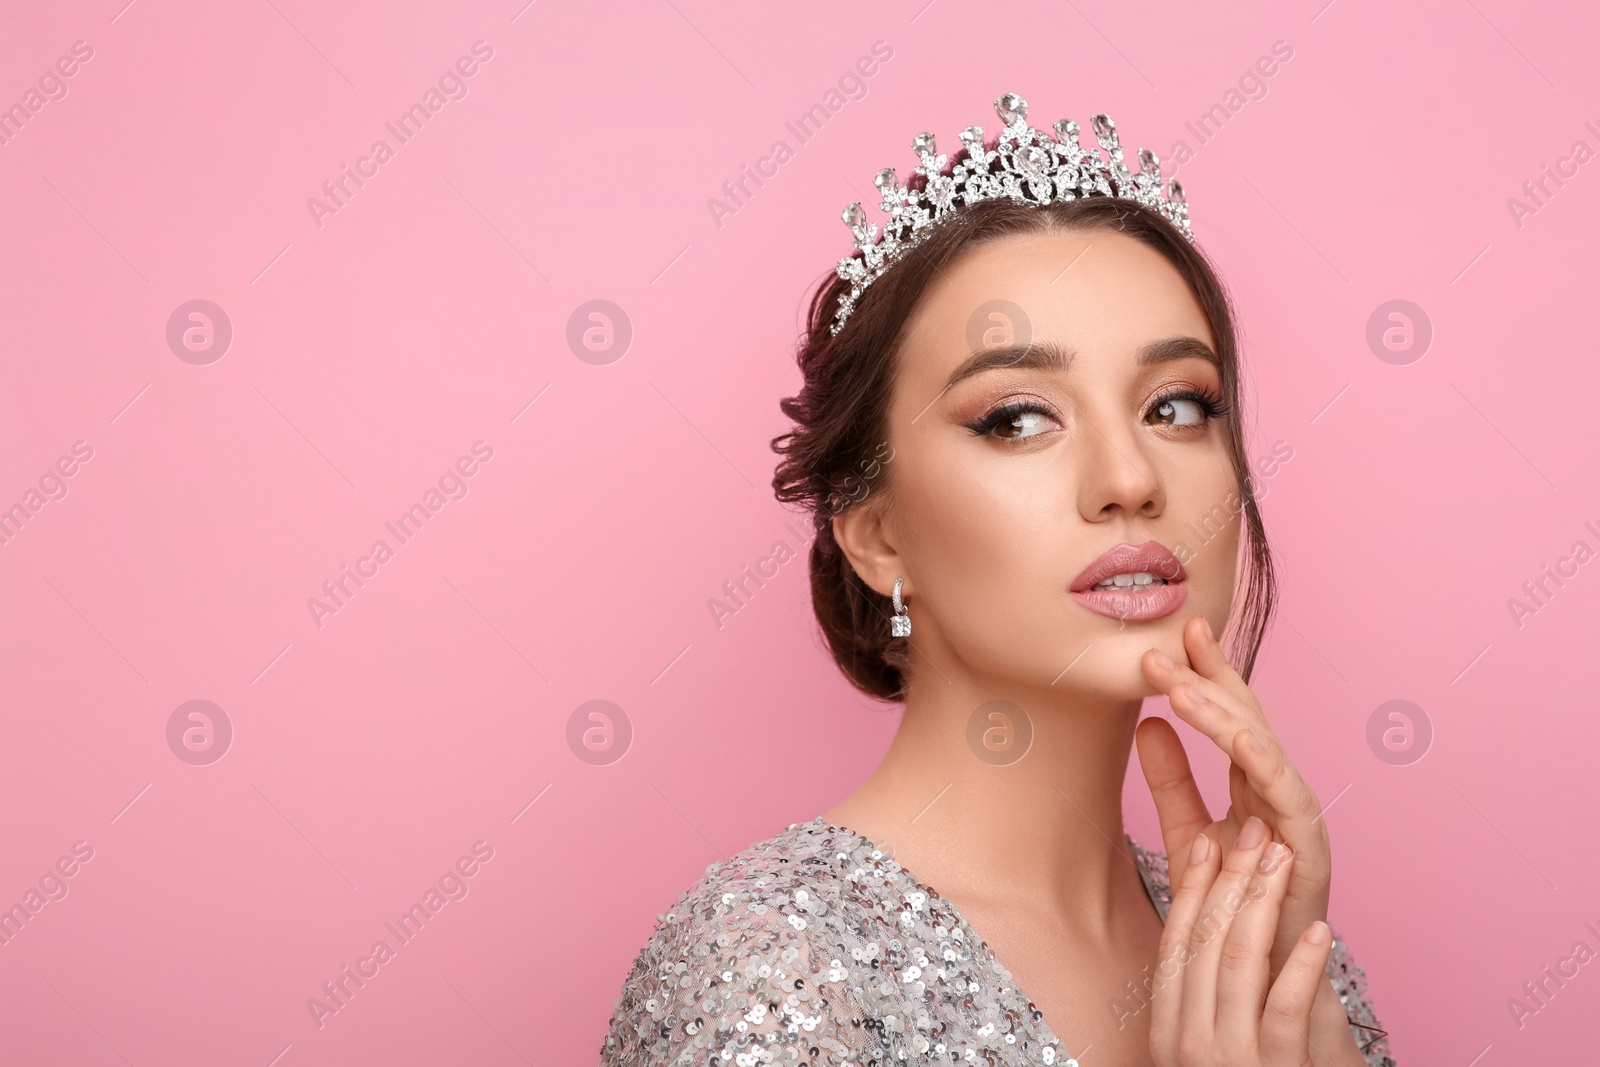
(1014, 422)
(1023, 424)
(1186, 409)
(1179, 412)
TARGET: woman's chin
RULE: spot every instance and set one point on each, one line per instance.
(1112, 668)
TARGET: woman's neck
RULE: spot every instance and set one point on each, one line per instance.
(986, 800)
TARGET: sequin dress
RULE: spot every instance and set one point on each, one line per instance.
(815, 947)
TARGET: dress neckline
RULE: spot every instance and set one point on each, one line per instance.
(1047, 1034)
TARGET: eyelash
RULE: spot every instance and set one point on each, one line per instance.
(1212, 405)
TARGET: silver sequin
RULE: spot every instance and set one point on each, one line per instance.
(816, 947)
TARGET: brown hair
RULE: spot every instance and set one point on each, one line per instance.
(833, 458)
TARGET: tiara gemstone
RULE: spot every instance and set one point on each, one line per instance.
(1025, 165)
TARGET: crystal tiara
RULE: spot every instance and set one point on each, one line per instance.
(1025, 164)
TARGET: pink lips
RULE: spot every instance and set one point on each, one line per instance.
(1150, 602)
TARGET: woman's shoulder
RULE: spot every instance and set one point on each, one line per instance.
(1348, 978)
(780, 886)
(742, 959)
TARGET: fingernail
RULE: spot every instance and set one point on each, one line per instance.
(1165, 660)
(1253, 833)
(1207, 624)
(1272, 857)
(1318, 933)
(1200, 849)
(1193, 694)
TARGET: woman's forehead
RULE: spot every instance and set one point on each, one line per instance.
(1090, 291)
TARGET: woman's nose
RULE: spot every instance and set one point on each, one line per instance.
(1115, 472)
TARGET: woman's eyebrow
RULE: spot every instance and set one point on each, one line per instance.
(1170, 348)
(1050, 356)
(1039, 355)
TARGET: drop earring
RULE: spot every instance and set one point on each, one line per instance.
(900, 624)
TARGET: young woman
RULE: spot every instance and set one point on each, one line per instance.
(1018, 433)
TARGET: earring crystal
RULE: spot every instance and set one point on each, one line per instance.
(900, 623)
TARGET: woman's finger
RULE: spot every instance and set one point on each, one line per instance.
(1245, 972)
(1298, 812)
(1244, 801)
(1210, 661)
(1222, 717)
(1179, 806)
(1203, 856)
(1200, 702)
(1209, 931)
(1256, 751)
(1208, 671)
(1286, 1020)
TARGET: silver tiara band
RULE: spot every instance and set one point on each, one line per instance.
(1024, 164)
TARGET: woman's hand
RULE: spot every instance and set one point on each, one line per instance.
(1214, 1004)
(1261, 781)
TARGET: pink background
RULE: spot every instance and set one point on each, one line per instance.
(431, 711)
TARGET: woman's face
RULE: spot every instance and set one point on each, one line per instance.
(1011, 474)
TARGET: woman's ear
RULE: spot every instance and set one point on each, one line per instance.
(864, 536)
